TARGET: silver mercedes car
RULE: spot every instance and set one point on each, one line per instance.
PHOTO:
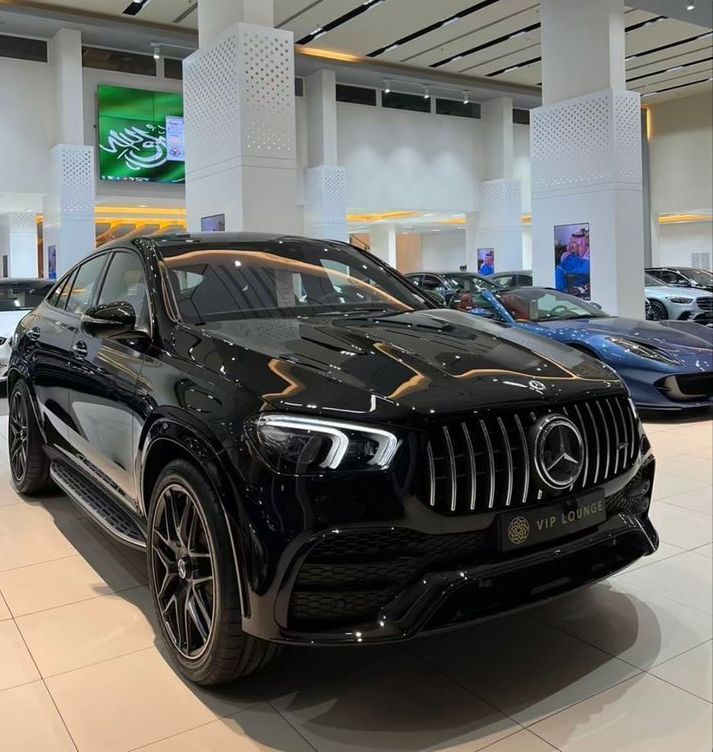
(677, 303)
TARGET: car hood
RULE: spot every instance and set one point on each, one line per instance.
(677, 292)
(665, 334)
(417, 364)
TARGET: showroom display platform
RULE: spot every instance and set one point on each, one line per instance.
(624, 665)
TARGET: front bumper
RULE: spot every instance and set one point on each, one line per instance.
(386, 583)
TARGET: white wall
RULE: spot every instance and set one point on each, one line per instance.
(521, 164)
(676, 242)
(681, 154)
(27, 125)
(408, 160)
(444, 251)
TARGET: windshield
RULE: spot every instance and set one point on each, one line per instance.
(536, 304)
(469, 283)
(281, 279)
(699, 276)
(651, 281)
(22, 296)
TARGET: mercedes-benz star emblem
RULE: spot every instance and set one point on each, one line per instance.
(558, 451)
(518, 530)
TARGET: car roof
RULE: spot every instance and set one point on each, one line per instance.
(222, 238)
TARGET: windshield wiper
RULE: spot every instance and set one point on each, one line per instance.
(358, 311)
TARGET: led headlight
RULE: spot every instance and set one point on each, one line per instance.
(643, 351)
(679, 299)
(299, 445)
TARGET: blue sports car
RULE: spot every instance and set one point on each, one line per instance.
(666, 365)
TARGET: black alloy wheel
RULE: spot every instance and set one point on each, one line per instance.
(29, 465)
(183, 570)
(193, 580)
(18, 435)
(657, 311)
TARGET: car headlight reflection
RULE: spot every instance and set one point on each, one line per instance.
(298, 445)
(644, 350)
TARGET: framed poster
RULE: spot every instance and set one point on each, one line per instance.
(486, 261)
(572, 259)
(52, 262)
(214, 223)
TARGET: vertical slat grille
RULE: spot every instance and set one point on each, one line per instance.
(480, 464)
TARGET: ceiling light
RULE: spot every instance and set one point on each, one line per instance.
(317, 32)
(450, 20)
(466, 98)
(426, 94)
(387, 87)
(391, 47)
(156, 51)
(691, 6)
(510, 70)
(675, 68)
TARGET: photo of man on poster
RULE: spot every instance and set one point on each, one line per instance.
(572, 272)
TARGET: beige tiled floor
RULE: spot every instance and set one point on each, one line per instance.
(625, 666)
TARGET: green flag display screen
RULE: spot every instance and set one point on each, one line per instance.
(141, 135)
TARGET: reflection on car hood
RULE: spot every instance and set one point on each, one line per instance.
(677, 292)
(679, 334)
(416, 363)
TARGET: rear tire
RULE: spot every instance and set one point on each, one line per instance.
(657, 311)
(29, 465)
(193, 581)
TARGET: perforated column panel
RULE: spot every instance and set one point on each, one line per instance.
(266, 80)
(212, 114)
(24, 222)
(590, 139)
(325, 195)
(500, 203)
(74, 179)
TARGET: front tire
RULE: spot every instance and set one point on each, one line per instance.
(657, 311)
(29, 465)
(193, 581)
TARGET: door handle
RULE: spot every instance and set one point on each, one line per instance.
(80, 350)
(34, 333)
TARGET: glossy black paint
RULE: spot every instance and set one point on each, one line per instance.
(119, 404)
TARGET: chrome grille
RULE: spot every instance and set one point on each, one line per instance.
(483, 463)
(705, 304)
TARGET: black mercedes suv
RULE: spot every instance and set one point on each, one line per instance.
(310, 452)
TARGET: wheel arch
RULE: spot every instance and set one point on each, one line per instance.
(168, 440)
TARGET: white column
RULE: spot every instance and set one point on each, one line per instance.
(240, 120)
(383, 242)
(18, 232)
(585, 149)
(325, 180)
(69, 225)
(497, 224)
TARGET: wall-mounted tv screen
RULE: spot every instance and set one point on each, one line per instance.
(141, 135)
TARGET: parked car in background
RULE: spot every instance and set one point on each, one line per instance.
(451, 285)
(662, 302)
(506, 280)
(677, 303)
(666, 365)
(310, 453)
(683, 276)
(17, 298)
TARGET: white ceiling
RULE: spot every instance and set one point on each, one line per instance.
(492, 39)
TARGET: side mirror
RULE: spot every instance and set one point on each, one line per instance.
(110, 318)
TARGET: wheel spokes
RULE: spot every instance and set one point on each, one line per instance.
(183, 571)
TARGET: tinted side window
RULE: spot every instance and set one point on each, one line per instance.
(85, 282)
(53, 299)
(431, 283)
(125, 282)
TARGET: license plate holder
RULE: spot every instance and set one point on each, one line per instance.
(522, 528)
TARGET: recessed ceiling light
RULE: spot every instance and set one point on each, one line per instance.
(691, 6)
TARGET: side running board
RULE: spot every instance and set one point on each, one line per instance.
(98, 504)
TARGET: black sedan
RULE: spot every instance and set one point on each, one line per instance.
(311, 453)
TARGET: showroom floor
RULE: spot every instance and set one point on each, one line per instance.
(623, 666)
